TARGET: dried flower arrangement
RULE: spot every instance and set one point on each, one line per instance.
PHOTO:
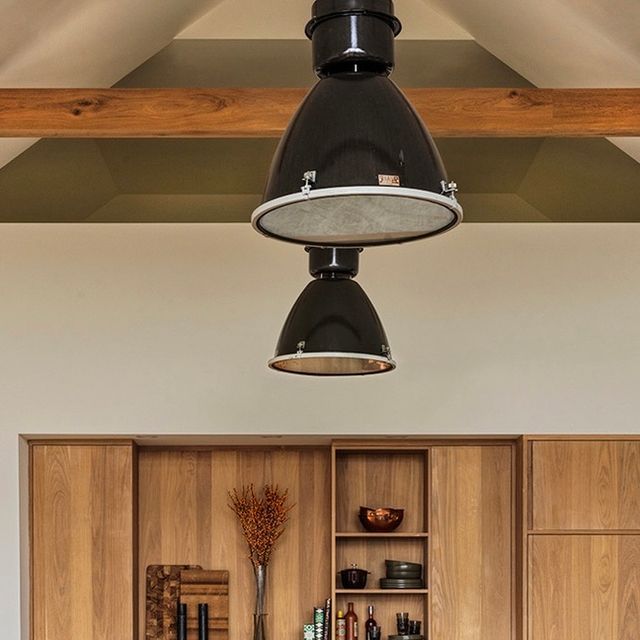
(262, 519)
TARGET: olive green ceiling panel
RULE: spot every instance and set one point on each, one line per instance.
(287, 63)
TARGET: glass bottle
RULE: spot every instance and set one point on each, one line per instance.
(351, 620)
(369, 623)
(341, 626)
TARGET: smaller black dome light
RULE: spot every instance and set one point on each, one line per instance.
(333, 329)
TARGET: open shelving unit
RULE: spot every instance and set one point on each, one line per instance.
(368, 474)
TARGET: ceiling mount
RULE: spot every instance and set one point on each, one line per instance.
(356, 167)
(348, 32)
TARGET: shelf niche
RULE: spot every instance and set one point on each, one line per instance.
(393, 477)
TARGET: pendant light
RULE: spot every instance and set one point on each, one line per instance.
(356, 167)
(333, 329)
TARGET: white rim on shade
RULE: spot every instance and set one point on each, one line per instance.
(383, 363)
(367, 236)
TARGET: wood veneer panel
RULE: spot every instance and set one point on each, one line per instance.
(586, 485)
(471, 538)
(380, 479)
(265, 112)
(585, 587)
(83, 543)
(184, 519)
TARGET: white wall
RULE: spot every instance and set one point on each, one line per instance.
(160, 329)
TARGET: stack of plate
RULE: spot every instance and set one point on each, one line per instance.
(402, 575)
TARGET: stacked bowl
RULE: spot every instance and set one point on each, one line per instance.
(402, 575)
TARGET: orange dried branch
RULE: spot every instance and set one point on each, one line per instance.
(262, 518)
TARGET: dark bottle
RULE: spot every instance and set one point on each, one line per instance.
(369, 623)
(203, 621)
(351, 620)
(182, 621)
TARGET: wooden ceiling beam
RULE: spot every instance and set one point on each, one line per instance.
(264, 113)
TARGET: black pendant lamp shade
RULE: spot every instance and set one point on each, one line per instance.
(333, 329)
(356, 166)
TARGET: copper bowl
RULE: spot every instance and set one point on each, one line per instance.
(381, 520)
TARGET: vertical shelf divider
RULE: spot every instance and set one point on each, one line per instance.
(428, 492)
(334, 569)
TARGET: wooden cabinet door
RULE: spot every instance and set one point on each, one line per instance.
(585, 485)
(471, 535)
(82, 542)
(584, 587)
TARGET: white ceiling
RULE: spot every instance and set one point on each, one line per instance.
(563, 43)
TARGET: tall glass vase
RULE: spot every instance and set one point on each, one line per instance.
(259, 616)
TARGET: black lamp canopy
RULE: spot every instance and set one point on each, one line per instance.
(333, 329)
(356, 166)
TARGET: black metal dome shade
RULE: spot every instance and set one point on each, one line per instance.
(356, 166)
(333, 329)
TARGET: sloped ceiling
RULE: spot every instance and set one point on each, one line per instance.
(98, 43)
(559, 43)
(83, 43)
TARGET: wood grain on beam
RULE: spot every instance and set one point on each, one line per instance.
(264, 113)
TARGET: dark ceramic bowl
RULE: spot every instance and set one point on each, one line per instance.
(381, 520)
(404, 575)
(354, 578)
(402, 565)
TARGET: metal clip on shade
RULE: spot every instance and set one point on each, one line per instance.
(333, 329)
(377, 174)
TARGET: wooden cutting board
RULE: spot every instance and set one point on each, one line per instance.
(198, 586)
(166, 584)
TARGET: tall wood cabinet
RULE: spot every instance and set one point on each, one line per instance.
(82, 541)
(583, 539)
(472, 543)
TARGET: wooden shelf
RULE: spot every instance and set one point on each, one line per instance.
(391, 534)
(383, 591)
(382, 473)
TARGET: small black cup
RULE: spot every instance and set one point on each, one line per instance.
(402, 622)
(414, 627)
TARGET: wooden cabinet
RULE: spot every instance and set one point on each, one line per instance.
(458, 524)
(585, 485)
(583, 539)
(102, 512)
(584, 587)
(471, 537)
(82, 541)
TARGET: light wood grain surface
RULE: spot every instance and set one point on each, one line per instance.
(265, 112)
(584, 587)
(184, 519)
(471, 538)
(82, 566)
(380, 479)
(585, 485)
